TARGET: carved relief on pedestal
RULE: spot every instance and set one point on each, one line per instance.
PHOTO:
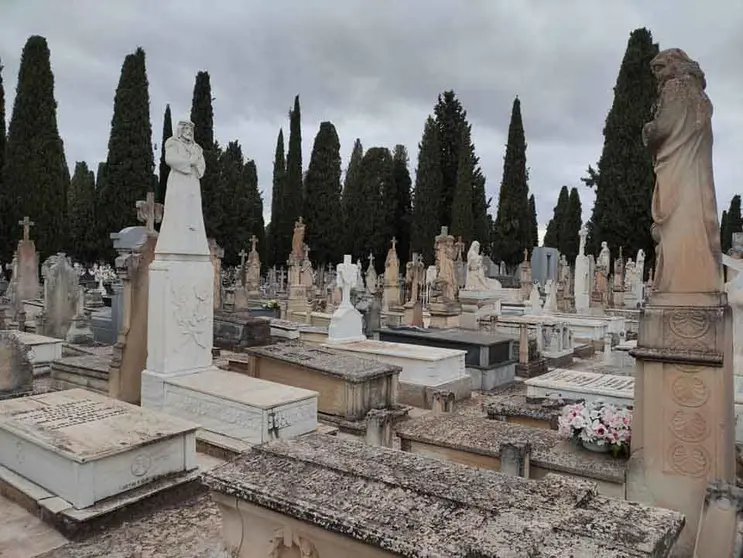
(191, 309)
(689, 330)
(689, 391)
(688, 461)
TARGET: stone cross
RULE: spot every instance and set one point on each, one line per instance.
(149, 212)
(394, 244)
(254, 240)
(27, 224)
(242, 255)
(371, 260)
(282, 278)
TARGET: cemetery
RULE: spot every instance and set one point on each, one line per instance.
(332, 385)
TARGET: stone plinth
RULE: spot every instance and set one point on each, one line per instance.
(424, 369)
(683, 425)
(42, 350)
(477, 305)
(237, 330)
(347, 387)
(233, 404)
(84, 447)
(91, 372)
(16, 370)
(444, 314)
(488, 360)
(586, 386)
(276, 497)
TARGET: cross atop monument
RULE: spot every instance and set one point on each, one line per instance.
(254, 241)
(149, 212)
(300, 221)
(27, 224)
(394, 243)
(242, 255)
(371, 259)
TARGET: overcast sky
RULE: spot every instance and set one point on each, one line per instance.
(374, 68)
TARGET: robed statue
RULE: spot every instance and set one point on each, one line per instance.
(686, 227)
(182, 230)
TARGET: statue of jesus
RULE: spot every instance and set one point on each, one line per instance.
(684, 207)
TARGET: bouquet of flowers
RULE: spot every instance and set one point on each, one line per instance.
(598, 426)
(271, 304)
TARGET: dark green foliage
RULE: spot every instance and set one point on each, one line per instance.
(322, 207)
(254, 222)
(513, 223)
(462, 219)
(164, 168)
(213, 201)
(81, 209)
(375, 224)
(624, 179)
(4, 234)
(731, 223)
(293, 191)
(351, 196)
(403, 209)
(533, 224)
(569, 235)
(243, 216)
(428, 193)
(273, 233)
(130, 163)
(451, 121)
(35, 174)
(553, 236)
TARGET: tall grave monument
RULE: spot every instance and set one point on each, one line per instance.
(180, 378)
(683, 432)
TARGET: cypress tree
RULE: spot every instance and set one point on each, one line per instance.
(81, 207)
(462, 218)
(533, 225)
(255, 223)
(480, 218)
(273, 239)
(4, 234)
(35, 175)
(322, 206)
(232, 184)
(553, 236)
(569, 233)
(214, 203)
(293, 194)
(624, 180)
(375, 225)
(164, 168)
(513, 222)
(351, 196)
(732, 223)
(427, 193)
(403, 208)
(130, 164)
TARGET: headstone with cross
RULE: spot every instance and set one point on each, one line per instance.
(26, 223)
(253, 243)
(149, 212)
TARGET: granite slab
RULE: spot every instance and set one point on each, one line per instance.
(417, 507)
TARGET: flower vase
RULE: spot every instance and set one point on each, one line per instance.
(594, 447)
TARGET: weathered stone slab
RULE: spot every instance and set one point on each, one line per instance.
(86, 371)
(588, 386)
(279, 494)
(424, 369)
(233, 404)
(237, 330)
(84, 447)
(348, 387)
(16, 369)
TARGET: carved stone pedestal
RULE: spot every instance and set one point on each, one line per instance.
(444, 314)
(683, 426)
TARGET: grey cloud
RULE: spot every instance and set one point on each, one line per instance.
(375, 69)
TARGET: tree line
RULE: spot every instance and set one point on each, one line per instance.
(356, 210)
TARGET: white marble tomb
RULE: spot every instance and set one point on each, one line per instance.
(85, 447)
(42, 350)
(589, 386)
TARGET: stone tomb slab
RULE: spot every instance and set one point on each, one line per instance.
(42, 350)
(348, 387)
(588, 386)
(424, 369)
(84, 447)
(238, 406)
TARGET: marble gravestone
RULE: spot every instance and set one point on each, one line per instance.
(180, 378)
(61, 294)
(683, 426)
(27, 285)
(346, 324)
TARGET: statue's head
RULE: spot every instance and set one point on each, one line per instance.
(604, 245)
(184, 130)
(475, 247)
(674, 63)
